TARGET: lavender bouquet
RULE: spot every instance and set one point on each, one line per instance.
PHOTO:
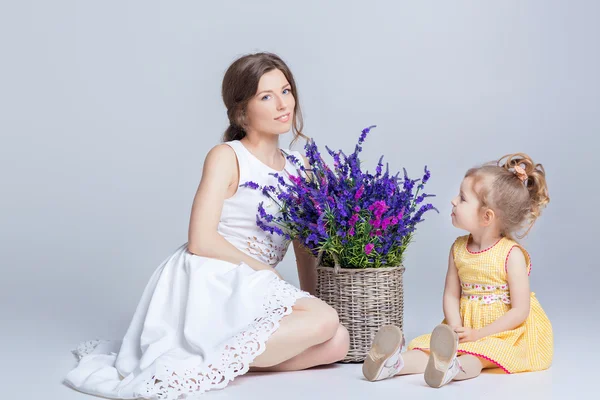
(360, 219)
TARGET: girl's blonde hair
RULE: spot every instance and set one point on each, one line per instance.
(514, 187)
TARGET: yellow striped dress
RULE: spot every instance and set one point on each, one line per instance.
(485, 298)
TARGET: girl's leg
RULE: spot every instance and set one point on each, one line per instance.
(415, 362)
(385, 359)
(472, 366)
(333, 350)
(312, 322)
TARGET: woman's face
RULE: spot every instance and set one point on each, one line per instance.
(271, 110)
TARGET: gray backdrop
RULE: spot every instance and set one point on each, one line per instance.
(109, 108)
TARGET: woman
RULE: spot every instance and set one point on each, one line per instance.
(217, 308)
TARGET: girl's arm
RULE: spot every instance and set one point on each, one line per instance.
(520, 296)
(219, 174)
(452, 291)
(307, 268)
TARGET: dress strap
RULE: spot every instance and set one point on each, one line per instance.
(242, 159)
(525, 253)
(459, 247)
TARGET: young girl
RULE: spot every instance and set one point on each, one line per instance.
(217, 307)
(491, 318)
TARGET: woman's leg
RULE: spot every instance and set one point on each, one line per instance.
(311, 323)
(333, 350)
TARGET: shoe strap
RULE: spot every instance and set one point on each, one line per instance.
(397, 363)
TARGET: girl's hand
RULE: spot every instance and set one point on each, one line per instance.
(467, 335)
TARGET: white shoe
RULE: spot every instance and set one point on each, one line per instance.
(384, 360)
(443, 363)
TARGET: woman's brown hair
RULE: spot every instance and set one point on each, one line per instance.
(240, 84)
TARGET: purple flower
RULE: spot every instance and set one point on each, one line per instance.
(375, 223)
(263, 214)
(312, 238)
(250, 184)
(344, 207)
(379, 208)
(267, 190)
(293, 159)
(365, 131)
(426, 176)
(359, 193)
(296, 179)
(385, 223)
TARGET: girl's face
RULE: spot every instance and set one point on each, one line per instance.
(271, 110)
(466, 207)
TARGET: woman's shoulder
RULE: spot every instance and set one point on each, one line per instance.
(222, 152)
(221, 157)
(223, 149)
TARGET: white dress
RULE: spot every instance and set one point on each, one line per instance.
(200, 321)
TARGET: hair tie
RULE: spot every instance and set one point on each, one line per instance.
(520, 173)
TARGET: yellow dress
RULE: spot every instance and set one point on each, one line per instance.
(485, 298)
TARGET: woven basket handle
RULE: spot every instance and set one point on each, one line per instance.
(336, 261)
(319, 257)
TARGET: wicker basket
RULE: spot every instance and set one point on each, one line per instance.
(365, 299)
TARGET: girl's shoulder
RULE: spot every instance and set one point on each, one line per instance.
(460, 244)
(509, 247)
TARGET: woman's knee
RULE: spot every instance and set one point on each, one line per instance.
(341, 343)
(325, 319)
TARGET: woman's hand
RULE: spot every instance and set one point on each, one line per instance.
(467, 334)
